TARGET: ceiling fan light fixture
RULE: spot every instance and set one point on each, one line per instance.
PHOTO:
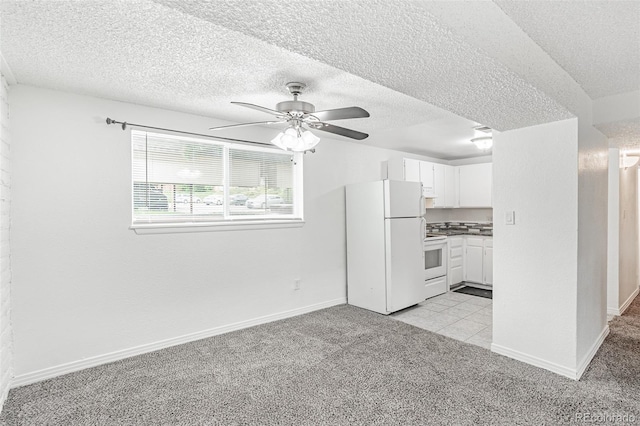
(289, 138)
(298, 113)
(484, 143)
(295, 140)
(310, 140)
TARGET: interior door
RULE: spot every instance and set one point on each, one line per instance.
(404, 262)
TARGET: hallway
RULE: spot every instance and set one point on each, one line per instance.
(618, 360)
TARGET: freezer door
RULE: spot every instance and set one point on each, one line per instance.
(404, 263)
(403, 199)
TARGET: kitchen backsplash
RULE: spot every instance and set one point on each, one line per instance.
(459, 215)
(460, 228)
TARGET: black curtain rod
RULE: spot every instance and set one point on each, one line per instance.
(125, 124)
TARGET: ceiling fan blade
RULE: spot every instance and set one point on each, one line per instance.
(259, 108)
(255, 123)
(353, 134)
(340, 113)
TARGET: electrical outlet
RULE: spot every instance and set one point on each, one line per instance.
(296, 284)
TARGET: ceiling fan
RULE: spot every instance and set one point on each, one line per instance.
(302, 116)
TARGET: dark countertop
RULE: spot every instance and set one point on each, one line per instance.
(458, 232)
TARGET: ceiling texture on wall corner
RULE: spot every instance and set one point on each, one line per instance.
(426, 79)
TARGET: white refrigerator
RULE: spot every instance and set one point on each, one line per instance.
(385, 234)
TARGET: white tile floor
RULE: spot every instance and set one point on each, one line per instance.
(456, 315)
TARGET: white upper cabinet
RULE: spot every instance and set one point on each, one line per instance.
(402, 169)
(474, 185)
(439, 185)
(450, 187)
(444, 186)
(427, 178)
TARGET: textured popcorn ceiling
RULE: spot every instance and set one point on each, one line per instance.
(396, 44)
(624, 134)
(596, 42)
(399, 60)
(145, 53)
(485, 26)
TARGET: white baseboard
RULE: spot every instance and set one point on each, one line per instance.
(627, 302)
(625, 305)
(59, 370)
(582, 365)
(613, 311)
(571, 373)
(535, 361)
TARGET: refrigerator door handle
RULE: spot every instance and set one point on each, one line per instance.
(423, 233)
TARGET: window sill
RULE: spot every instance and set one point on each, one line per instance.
(178, 228)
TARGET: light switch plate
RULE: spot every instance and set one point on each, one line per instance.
(510, 218)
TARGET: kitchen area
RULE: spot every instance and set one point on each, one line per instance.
(436, 274)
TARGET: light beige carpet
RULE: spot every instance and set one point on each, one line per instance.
(338, 366)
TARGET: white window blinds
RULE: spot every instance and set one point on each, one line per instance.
(178, 179)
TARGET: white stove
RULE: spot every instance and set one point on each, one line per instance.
(434, 257)
(434, 237)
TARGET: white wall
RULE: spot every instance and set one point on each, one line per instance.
(628, 240)
(86, 286)
(623, 235)
(591, 312)
(613, 234)
(550, 268)
(5, 245)
(535, 174)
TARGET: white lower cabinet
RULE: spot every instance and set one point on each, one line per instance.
(470, 259)
(473, 260)
(488, 261)
(478, 260)
(456, 259)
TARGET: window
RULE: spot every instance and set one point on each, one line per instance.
(186, 181)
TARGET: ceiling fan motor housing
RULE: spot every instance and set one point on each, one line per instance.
(295, 106)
